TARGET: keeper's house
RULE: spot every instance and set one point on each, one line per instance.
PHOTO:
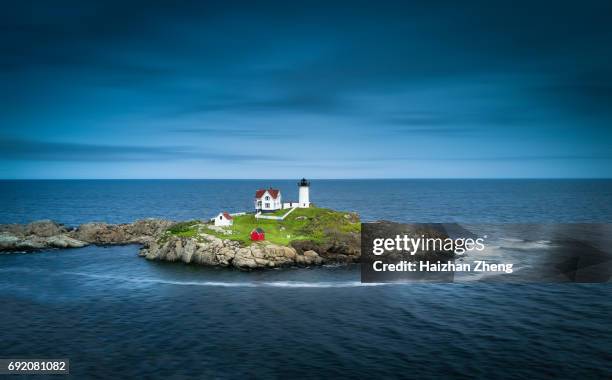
(268, 200)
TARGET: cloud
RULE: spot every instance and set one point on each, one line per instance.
(586, 94)
(487, 114)
(433, 131)
(347, 79)
(261, 132)
(30, 150)
(288, 102)
(488, 158)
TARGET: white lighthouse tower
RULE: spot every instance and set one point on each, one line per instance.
(304, 200)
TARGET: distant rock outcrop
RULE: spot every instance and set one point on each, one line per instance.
(36, 235)
(139, 232)
(48, 234)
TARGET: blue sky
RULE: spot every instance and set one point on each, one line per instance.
(321, 90)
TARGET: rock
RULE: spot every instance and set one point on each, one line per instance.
(225, 256)
(148, 227)
(30, 245)
(100, 233)
(244, 259)
(212, 251)
(13, 229)
(311, 254)
(44, 228)
(340, 247)
(63, 241)
(150, 253)
(185, 250)
(8, 241)
(262, 262)
(311, 257)
(139, 232)
(48, 234)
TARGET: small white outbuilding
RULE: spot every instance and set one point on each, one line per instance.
(224, 219)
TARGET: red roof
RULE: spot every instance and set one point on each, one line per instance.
(227, 216)
(273, 192)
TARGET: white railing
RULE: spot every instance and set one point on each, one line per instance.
(291, 204)
(272, 217)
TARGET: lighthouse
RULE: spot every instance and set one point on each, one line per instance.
(304, 186)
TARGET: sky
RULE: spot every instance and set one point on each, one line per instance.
(447, 89)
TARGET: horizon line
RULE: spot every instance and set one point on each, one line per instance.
(311, 178)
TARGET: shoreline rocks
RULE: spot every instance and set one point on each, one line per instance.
(213, 251)
(46, 234)
(139, 232)
(339, 248)
(157, 244)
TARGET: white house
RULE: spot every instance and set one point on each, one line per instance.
(268, 200)
(224, 219)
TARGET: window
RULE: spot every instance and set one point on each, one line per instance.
(267, 205)
(267, 198)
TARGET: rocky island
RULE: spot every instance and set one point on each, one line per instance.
(309, 236)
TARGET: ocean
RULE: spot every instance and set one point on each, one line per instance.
(114, 314)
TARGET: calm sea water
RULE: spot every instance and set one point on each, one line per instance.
(468, 201)
(117, 315)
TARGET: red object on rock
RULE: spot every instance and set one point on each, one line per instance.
(258, 234)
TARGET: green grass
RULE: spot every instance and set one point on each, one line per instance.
(302, 224)
(185, 229)
(182, 229)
